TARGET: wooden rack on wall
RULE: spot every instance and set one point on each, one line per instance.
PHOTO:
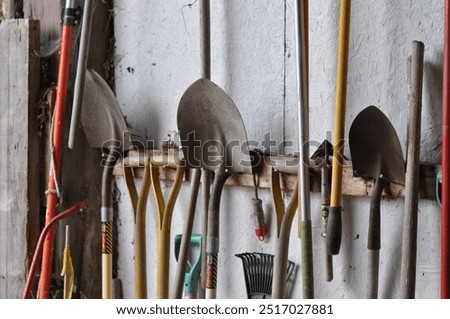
(351, 185)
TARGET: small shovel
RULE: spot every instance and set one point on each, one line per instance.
(376, 153)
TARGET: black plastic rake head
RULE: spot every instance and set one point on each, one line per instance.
(258, 273)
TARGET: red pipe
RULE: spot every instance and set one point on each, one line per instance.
(57, 148)
(39, 246)
(445, 190)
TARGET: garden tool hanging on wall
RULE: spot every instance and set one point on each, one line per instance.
(258, 273)
(191, 278)
(165, 213)
(321, 157)
(208, 117)
(334, 231)
(70, 17)
(257, 213)
(410, 217)
(139, 204)
(105, 128)
(284, 221)
(377, 154)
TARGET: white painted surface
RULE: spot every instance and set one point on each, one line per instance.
(253, 59)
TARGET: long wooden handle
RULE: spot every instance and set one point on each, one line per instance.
(409, 243)
(205, 39)
(373, 267)
(325, 196)
(334, 232)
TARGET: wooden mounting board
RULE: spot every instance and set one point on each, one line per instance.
(352, 186)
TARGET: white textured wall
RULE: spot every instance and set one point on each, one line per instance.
(253, 59)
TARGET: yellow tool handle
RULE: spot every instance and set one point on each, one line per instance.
(334, 231)
(140, 256)
(165, 212)
(277, 198)
(131, 186)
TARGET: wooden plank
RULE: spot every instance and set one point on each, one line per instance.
(19, 144)
(351, 185)
(7, 8)
(81, 169)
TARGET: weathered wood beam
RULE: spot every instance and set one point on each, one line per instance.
(19, 144)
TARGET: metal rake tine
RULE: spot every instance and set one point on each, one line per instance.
(246, 275)
(254, 272)
(270, 273)
(260, 272)
(250, 267)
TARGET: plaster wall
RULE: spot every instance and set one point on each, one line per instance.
(253, 60)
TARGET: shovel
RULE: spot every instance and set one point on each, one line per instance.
(376, 153)
(213, 137)
(105, 128)
(205, 72)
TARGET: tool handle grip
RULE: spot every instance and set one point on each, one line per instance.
(334, 230)
(307, 260)
(258, 218)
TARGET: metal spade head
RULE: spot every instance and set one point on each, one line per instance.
(375, 148)
(212, 132)
(101, 116)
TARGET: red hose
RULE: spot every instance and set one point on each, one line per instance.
(58, 133)
(39, 246)
(445, 191)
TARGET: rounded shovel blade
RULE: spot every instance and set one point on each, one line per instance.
(212, 131)
(101, 116)
(375, 148)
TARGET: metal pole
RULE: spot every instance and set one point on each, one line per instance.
(301, 8)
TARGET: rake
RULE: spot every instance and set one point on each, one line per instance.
(258, 272)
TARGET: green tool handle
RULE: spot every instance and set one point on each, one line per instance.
(307, 260)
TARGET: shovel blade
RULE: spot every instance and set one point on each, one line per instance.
(212, 131)
(101, 116)
(375, 147)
